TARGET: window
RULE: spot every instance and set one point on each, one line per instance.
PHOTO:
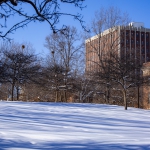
(143, 58)
(147, 35)
(143, 51)
(122, 40)
(148, 59)
(147, 50)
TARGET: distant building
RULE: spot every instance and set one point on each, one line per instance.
(134, 39)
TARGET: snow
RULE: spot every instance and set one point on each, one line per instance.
(67, 126)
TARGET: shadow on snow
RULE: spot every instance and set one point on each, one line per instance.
(10, 144)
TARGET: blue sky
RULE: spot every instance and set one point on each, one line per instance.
(35, 33)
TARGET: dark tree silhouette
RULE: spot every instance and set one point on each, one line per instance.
(66, 49)
(21, 68)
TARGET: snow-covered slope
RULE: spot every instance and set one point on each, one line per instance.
(54, 126)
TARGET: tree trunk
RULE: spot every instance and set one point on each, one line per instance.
(125, 99)
(12, 92)
(107, 94)
(56, 99)
(65, 96)
(61, 97)
(138, 101)
(17, 88)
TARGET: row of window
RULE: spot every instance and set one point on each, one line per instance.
(137, 34)
(142, 34)
(137, 42)
(143, 51)
(147, 50)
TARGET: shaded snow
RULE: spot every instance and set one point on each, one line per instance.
(54, 126)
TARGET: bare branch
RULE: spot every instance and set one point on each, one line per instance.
(44, 10)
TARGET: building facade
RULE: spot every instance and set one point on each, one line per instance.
(133, 39)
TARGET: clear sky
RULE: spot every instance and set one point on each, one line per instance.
(35, 33)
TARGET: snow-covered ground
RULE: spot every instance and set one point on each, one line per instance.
(59, 126)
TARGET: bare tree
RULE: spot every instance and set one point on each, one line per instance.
(85, 89)
(106, 18)
(42, 11)
(121, 70)
(66, 48)
(104, 27)
(52, 79)
(21, 68)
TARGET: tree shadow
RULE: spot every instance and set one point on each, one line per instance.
(82, 145)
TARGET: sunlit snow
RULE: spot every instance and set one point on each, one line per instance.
(60, 126)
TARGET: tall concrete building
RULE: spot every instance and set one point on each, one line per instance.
(133, 39)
